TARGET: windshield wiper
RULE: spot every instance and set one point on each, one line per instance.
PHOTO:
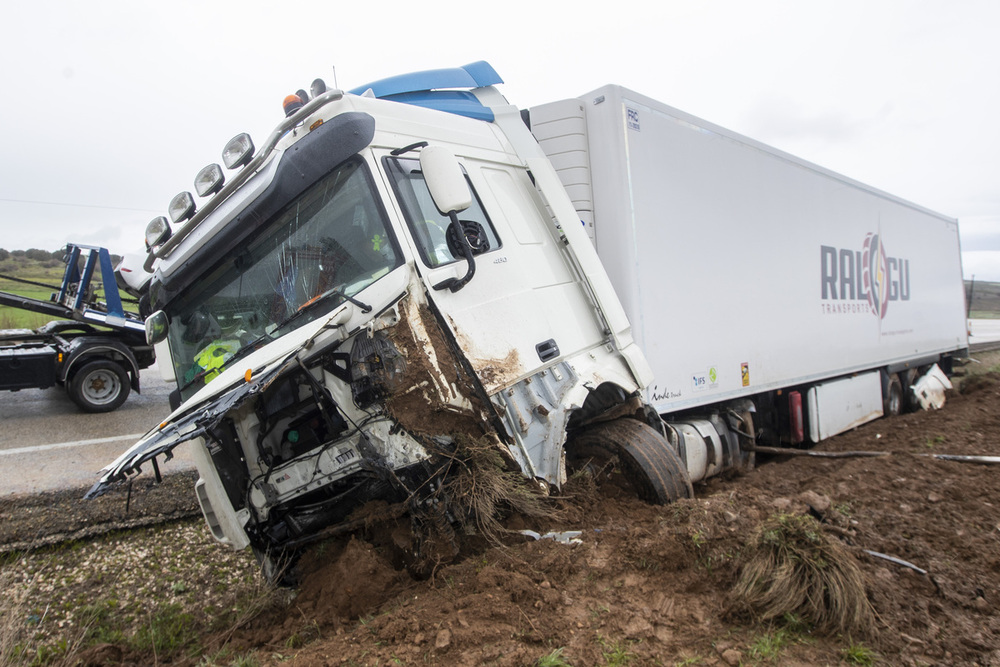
(365, 308)
(255, 344)
(315, 301)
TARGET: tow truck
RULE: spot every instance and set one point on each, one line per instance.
(95, 349)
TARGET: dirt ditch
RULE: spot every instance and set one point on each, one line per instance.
(640, 585)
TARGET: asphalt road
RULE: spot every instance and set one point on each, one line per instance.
(47, 443)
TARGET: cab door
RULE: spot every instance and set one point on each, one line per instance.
(523, 309)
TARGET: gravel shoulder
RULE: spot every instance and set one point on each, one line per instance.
(33, 521)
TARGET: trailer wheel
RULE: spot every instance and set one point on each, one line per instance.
(99, 386)
(645, 457)
(906, 379)
(892, 402)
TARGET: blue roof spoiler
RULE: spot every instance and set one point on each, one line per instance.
(424, 89)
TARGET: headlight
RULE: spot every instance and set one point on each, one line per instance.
(209, 180)
(181, 207)
(157, 232)
(238, 152)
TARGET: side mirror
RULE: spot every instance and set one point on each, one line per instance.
(157, 325)
(445, 180)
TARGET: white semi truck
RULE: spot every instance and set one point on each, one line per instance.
(417, 262)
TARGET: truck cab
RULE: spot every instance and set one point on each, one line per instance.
(378, 284)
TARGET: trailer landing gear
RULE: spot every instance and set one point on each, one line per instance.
(644, 457)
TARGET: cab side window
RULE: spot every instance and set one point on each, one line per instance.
(429, 227)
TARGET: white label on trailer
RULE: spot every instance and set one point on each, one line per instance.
(707, 379)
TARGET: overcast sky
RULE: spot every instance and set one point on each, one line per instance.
(111, 108)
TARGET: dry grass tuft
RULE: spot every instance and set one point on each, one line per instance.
(13, 612)
(793, 570)
(486, 488)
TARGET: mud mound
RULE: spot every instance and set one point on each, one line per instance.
(343, 582)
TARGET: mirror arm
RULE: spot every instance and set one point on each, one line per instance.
(455, 284)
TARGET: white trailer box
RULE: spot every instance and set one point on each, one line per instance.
(744, 269)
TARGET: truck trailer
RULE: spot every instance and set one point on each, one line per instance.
(747, 271)
(417, 264)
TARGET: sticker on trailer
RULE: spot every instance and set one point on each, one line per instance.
(745, 373)
(632, 118)
(709, 379)
(657, 395)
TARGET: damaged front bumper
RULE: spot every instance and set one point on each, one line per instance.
(293, 449)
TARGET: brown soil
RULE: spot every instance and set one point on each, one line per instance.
(435, 395)
(652, 585)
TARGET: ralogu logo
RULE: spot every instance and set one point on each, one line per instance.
(865, 280)
(874, 272)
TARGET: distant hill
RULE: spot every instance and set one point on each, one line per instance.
(985, 299)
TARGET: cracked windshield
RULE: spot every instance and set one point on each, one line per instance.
(330, 243)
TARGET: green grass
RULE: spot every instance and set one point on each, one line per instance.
(616, 654)
(100, 622)
(768, 647)
(35, 271)
(553, 659)
(167, 631)
(859, 654)
(693, 660)
(16, 318)
(937, 440)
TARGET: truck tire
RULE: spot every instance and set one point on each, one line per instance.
(892, 402)
(99, 386)
(906, 379)
(646, 459)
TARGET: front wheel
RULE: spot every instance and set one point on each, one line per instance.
(99, 386)
(647, 460)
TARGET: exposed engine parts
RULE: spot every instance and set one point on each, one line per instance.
(376, 369)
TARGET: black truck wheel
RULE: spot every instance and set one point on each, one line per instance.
(906, 380)
(892, 401)
(99, 386)
(647, 460)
